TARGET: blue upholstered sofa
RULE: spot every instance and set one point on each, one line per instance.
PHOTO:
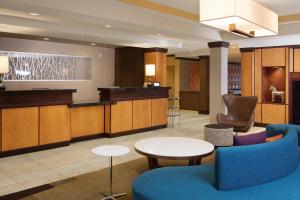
(255, 172)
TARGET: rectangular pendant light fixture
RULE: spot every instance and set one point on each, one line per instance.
(244, 17)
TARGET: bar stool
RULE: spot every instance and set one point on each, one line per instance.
(111, 151)
(174, 109)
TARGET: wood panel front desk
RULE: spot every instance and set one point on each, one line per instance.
(135, 109)
(33, 118)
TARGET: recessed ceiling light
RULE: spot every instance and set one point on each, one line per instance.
(45, 38)
(93, 44)
(108, 26)
(34, 14)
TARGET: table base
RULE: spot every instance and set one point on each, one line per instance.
(153, 162)
(113, 197)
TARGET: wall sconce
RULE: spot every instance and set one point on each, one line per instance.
(4, 67)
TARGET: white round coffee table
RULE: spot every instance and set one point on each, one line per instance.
(174, 148)
(111, 151)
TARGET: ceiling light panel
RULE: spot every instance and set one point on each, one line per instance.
(246, 15)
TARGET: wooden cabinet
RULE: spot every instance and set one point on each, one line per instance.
(247, 61)
(273, 114)
(54, 124)
(141, 113)
(160, 61)
(296, 60)
(120, 117)
(273, 57)
(20, 128)
(257, 74)
(287, 114)
(258, 113)
(87, 121)
(159, 111)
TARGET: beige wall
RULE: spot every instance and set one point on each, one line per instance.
(103, 66)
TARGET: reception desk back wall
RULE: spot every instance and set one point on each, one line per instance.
(102, 66)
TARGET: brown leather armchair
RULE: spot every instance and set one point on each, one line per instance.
(240, 112)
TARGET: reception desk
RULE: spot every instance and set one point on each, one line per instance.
(32, 120)
(135, 109)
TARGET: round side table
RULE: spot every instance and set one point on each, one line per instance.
(111, 151)
(220, 135)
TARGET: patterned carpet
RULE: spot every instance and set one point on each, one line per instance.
(89, 186)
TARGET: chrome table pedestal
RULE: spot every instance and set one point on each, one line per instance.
(110, 151)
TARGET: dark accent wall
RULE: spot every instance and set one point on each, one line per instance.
(129, 67)
(204, 85)
(190, 100)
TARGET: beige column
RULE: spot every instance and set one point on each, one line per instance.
(218, 78)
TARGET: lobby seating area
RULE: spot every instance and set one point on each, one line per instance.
(149, 100)
(246, 172)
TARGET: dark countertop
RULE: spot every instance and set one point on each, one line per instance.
(133, 93)
(134, 88)
(90, 103)
(35, 97)
(35, 91)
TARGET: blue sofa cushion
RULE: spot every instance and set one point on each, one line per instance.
(196, 183)
(244, 166)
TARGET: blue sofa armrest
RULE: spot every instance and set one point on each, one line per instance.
(277, 129)
(238, 167)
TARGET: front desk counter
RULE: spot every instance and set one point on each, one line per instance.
(135, 109)
(33, 120)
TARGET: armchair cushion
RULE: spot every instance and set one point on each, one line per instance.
(240, 112)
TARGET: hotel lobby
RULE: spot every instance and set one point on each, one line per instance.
(149, 99)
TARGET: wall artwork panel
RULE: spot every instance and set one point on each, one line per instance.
(38, 66)
(194, 77)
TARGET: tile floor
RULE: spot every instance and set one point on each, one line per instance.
(30, 170)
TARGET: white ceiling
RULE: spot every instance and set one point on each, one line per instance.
(281, 7)
(186, 5)
(85, 20)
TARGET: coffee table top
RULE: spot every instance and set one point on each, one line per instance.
(110, 150)
(173, 147)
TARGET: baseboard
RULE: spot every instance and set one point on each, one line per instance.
(203, 112)
(33, 149)
(88, 137)
(112, 135)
